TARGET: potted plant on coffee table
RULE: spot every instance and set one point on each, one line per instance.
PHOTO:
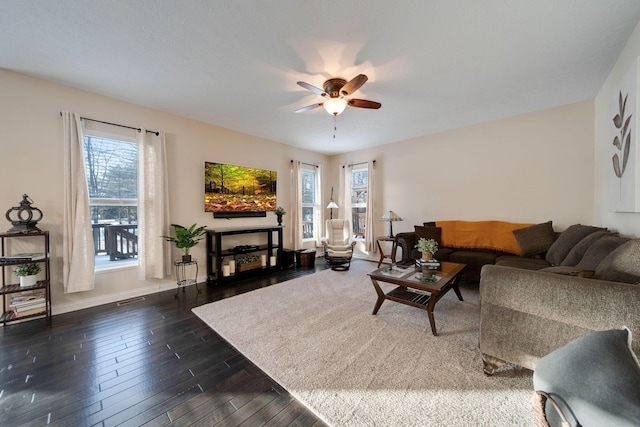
(186, 238)
(428, 247)
(27, 274)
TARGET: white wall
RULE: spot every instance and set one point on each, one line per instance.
(529, 168)
(626, 223)
(31, 162)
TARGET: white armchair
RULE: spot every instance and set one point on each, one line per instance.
(338, 247)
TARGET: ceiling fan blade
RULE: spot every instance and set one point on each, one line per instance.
(363, 103)
(308, 107)
(313, 89)
(353, 85)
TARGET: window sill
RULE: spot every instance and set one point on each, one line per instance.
(119, 266)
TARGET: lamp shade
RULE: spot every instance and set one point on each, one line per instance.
(390, 217)
(335, 106)
(332, 205)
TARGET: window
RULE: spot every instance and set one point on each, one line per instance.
(112, 178)
(310, 203)
(359, 199)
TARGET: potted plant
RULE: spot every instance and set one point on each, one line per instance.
(279, 213)
(428, 247)
(186, 238)
(27, 274)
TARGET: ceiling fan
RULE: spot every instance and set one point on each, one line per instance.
(335, 91)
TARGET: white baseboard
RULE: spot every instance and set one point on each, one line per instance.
(111, 298)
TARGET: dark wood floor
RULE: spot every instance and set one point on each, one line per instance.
(151, 362)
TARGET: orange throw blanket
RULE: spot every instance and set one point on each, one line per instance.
(495, 235)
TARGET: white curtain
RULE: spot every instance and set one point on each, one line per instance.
(368, 237)
(78, 260)
(345, 196)
(345, 180)
(154, 253)
(296, 203)
(321, 205)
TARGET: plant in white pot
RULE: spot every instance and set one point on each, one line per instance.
(428, 247)
(27, 274)
(186, 238)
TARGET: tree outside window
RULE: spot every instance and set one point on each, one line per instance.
(359, 199)
(112, 179)
(310, 206)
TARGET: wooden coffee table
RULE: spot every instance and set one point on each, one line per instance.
(416, 288)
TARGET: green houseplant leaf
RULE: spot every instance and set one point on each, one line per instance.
(186, 238)
(27, 270)
(427, 245)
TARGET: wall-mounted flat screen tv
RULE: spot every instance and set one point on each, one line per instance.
(232, 191)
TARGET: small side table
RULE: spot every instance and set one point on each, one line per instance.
(392, 255)
(182, 277)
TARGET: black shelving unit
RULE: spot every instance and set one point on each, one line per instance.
(216, 251)
(10, 289)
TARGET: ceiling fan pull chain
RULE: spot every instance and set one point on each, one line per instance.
(335, 126)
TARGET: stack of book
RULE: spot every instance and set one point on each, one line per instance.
(30, 256)
(432, 264)
(25, 305)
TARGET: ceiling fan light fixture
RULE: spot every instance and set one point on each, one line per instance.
(335, 106)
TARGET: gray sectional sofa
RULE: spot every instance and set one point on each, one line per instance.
(560, 286)
(588, 280)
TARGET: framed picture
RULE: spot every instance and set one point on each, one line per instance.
(232, 191)
(623, 171)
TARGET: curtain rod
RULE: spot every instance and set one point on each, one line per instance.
(356, 164)
(116, 124)
(308, 164)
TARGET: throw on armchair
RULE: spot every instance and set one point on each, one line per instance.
(338, 249)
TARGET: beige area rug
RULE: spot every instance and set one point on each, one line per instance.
(316, 336)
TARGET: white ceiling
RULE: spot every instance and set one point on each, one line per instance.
(433, 64)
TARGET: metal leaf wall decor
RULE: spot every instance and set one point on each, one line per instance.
(623, 141)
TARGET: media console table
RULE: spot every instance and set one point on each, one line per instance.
(262, 243)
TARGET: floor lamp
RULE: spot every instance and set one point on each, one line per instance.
(332, 204)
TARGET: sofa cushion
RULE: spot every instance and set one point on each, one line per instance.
(442, 254)
(425, 232)
(535, 239)
(520, 262)
(594, 379)
(473, 259)
(566, 241)
(577, 252)
(621, 265)
(599, 250)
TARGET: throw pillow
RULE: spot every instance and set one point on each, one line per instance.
(427, 232)
(566, 241)
(600, 249)
(535, 239)
(577, 252)
(594, 379)
(622, 264)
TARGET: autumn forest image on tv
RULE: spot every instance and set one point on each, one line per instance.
(230, 188)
